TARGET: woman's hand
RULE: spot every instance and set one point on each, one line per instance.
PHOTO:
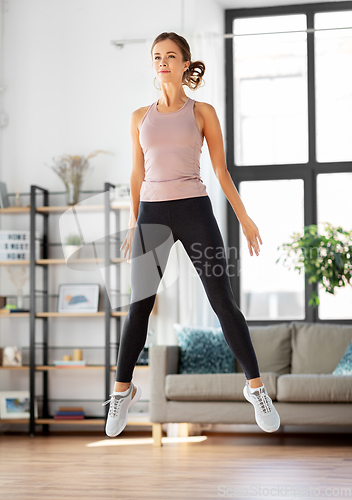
(128, 244)
(251, 232)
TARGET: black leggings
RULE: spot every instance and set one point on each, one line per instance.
(159, 225)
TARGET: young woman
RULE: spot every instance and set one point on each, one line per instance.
(169, 202)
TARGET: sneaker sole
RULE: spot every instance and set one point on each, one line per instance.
(249, 400)
(133, 400)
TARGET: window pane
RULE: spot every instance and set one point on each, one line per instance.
(333, 70)
(270, 91)
(270, 291)
(334, 206)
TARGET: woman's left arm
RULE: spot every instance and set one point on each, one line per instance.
(213, 135)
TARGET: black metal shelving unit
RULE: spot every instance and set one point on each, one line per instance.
(44, 292)
(107, 289)
(32, 307)
(105, 252)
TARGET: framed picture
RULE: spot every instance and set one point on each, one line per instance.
(15, 404)
(78, 298)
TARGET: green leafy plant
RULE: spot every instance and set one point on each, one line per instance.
(325, 259)
(73, 239)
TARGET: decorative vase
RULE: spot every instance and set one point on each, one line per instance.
(71, 170)
(19, 298)
(72, 193)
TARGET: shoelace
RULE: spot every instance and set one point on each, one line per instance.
(264, 402)
(115, 404)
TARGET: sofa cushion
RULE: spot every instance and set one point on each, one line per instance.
(272, 345)
(318, 347)
(213, 386)
(345, 365)
(203, 350)
(314, 388)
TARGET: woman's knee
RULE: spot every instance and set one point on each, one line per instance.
(143, 307)
(225, 306)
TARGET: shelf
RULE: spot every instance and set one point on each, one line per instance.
(47, 262)
(64, 367)
(13, 315)
(83, 208)
(85, 421)
(14, 367)
(115, 205)
(15, 210)
(14, 262)
(61, 367)
(66, 315)
(121, 204)
(14, 421)
(86, 367)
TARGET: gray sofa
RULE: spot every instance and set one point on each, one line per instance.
(296, 361)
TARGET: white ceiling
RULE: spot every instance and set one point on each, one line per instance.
(249, 4)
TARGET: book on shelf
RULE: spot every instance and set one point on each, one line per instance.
(70, 413)
(70, 363)
(71, 408)
(14, 310)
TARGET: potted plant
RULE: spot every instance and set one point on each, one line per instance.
(71, 170)
(325, 259)
(72, 245)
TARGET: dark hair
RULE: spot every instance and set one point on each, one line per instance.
(193, 76)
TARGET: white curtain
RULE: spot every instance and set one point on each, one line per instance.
(194, 306)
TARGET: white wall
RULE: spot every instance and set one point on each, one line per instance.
(1, 75)
(69, 90)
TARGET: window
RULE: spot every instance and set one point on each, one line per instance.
(333, 56)
(289, 148)
(334, 206)
(270, 291)
(270, 84)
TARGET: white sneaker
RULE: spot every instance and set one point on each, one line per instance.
(118, 411)
(266, 415)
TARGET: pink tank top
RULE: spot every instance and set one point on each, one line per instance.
(172, 145)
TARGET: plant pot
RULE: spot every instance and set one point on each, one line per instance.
(70, 250)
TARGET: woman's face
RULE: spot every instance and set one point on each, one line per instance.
(168, 63)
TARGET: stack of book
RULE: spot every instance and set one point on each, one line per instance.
(69, 413)
(70, 363)
(6, 311)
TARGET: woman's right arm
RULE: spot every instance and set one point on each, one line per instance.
(137, 177)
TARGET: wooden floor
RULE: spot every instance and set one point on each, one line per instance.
(210, 466)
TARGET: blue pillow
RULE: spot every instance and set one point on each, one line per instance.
(345, 365)
(203, 350)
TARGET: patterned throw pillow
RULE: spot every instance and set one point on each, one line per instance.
(345, 365)
(203, 350)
